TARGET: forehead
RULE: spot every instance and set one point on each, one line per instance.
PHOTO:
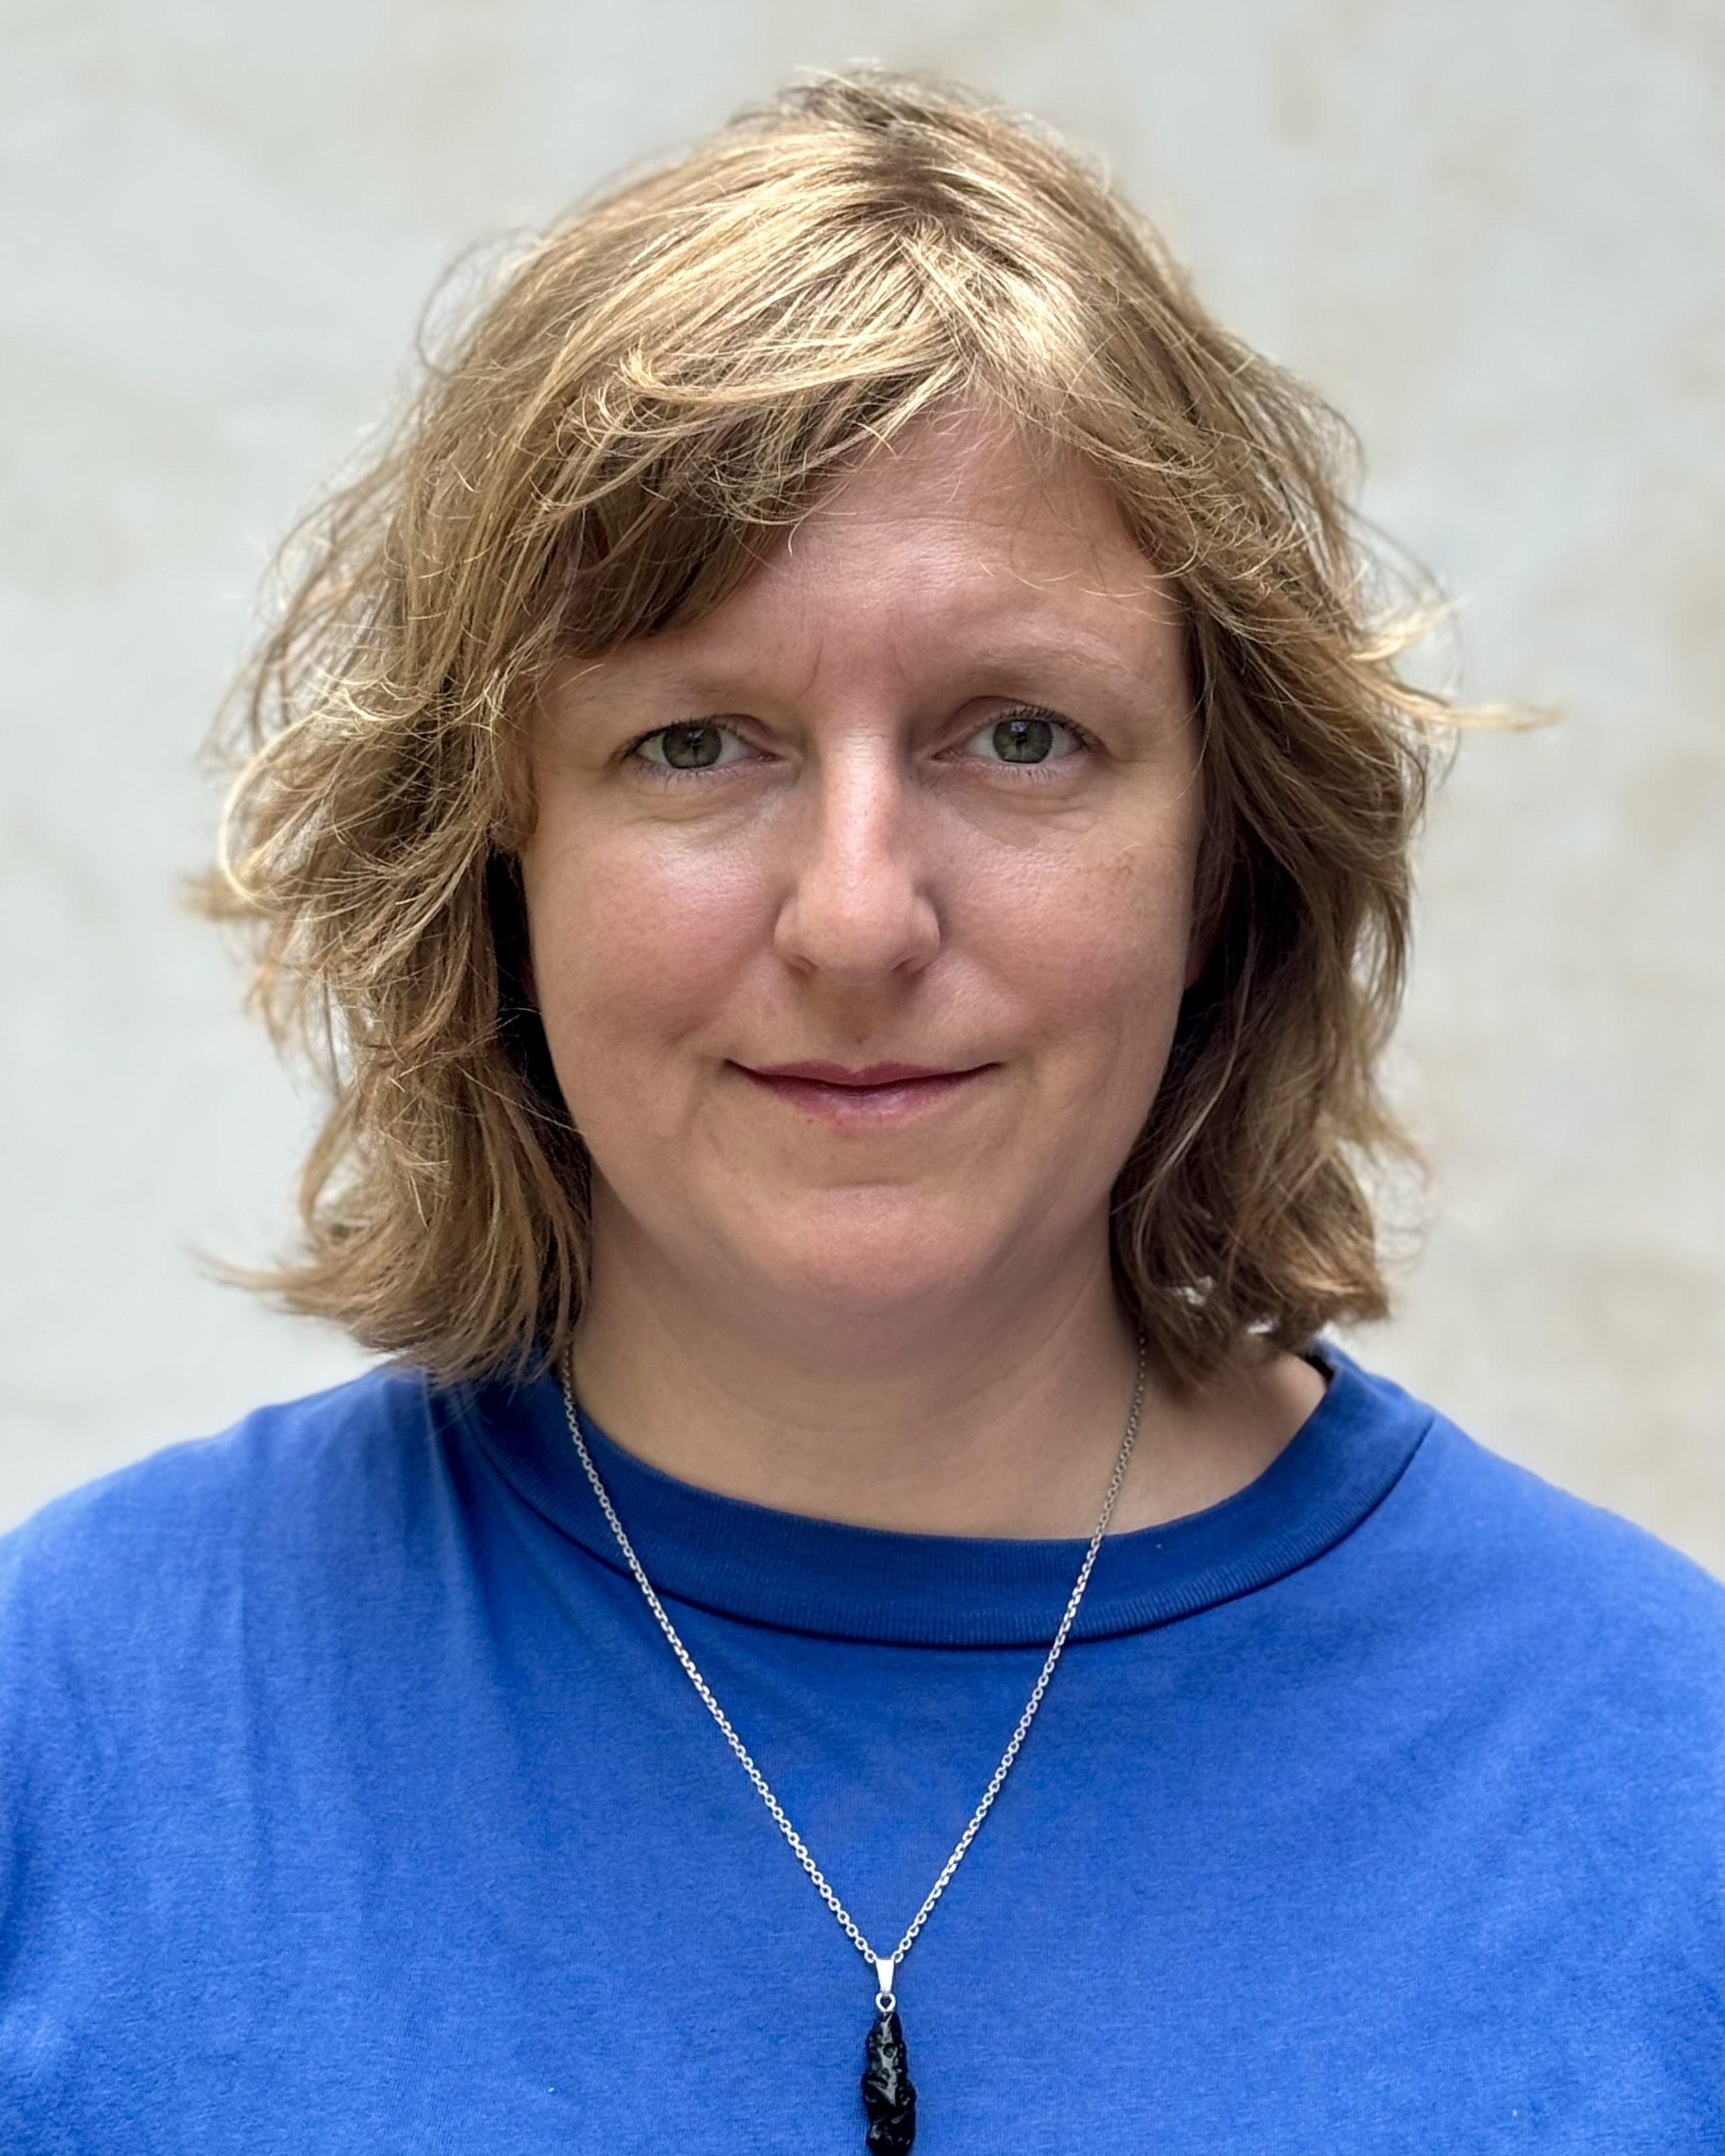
(1011, 523)
(958, 542)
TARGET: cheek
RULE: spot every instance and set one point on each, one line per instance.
(1093, 947)
(633, 950)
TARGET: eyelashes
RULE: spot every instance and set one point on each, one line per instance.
(1031, 770)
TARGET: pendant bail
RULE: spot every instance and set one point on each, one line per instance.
(884, 1964)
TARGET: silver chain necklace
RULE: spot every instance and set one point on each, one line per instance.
(889, 2097)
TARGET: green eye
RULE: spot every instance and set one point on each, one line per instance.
(1023, 740)
(1030, 738)
(689, 747)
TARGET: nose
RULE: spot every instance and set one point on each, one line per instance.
(858, 906)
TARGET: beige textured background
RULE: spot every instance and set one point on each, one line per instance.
(1493, 231)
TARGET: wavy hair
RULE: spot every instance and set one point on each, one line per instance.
(647, 394)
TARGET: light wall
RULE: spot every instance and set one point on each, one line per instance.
(1494, 235)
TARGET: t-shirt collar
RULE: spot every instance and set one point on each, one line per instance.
(821, 1577)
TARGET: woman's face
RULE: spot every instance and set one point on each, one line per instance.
(923, 791)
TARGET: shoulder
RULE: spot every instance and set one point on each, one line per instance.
(1510, 1569)
(160, 1546)
(1533, 1660)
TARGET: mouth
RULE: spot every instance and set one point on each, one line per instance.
(872, 1099)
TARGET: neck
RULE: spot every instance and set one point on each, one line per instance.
(1002, 1420)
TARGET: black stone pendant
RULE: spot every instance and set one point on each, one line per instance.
(887, 2096)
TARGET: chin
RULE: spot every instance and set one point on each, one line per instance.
(891, 1251)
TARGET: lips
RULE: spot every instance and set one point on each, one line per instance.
(872, 1074)
(873, 1098)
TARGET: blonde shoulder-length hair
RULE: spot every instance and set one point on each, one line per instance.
(655, 388)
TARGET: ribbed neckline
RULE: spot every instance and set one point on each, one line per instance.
(821, 1576)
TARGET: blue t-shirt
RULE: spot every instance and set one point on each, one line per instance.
(353, 1802)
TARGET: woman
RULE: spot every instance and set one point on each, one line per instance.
(840, 799)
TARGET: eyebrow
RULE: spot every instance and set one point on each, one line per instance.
(717, 679)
